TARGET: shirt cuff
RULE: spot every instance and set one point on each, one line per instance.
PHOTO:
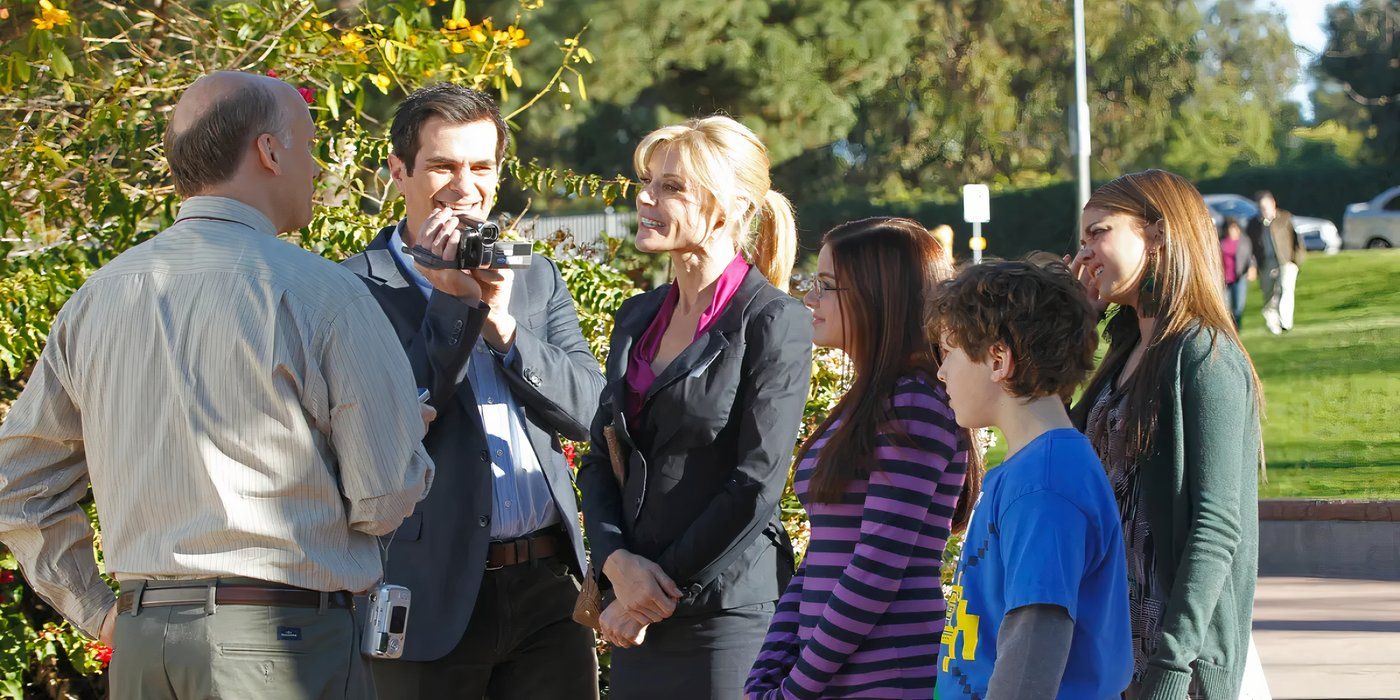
(92, 607)
(380, 515)
(506, 357)
(1160, 684)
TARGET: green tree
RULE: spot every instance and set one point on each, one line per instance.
(909, 100)
(1237, 113)
(793, 70)
(1362, 62)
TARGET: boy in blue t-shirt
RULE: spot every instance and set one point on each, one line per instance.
(1039, 607)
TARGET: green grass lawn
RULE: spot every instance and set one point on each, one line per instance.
(1332, 384)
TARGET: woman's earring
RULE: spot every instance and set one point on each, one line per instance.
(1149, 293)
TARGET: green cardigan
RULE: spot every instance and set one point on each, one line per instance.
(1201, 489)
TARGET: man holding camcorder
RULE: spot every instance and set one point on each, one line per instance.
(493, 555)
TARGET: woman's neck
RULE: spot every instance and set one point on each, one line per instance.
(696, 274)
(1147, 325)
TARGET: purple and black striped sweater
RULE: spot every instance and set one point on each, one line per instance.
(863, 615)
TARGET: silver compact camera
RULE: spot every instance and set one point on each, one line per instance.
(386, 619)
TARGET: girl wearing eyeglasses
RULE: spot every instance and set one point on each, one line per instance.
(884, 479)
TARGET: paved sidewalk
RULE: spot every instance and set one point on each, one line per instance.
(1328, 638)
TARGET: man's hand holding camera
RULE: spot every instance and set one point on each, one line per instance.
(440, 234)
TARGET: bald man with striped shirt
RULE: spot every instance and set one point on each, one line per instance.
(247, 420)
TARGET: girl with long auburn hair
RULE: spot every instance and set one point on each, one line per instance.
(1173, 412)
(884, 478)
(707, 380)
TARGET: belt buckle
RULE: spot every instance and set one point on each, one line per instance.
(489, 545)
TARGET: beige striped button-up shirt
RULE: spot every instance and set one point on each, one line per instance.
(241, 407)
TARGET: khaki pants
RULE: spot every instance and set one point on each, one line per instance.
(239, 651)
(1278, 286)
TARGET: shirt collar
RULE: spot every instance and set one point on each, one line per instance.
(226, 209)
(406, 263)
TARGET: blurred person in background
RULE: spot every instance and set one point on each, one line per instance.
(1278, 252)
(1237, 262)
(943, 234)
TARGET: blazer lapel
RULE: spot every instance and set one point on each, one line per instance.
(384, 268)
(696, 358)
(692, 361)
(629, 327)
(406, 301)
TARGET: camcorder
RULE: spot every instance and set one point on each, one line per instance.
(478, 248)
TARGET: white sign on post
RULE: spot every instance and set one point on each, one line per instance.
(977, 204)
(977, 210)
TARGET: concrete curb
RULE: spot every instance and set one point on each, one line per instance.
(1330, 539)
(1313, 509)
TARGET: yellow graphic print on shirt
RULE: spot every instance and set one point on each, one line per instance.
(960, 622)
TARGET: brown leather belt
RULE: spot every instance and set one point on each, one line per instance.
(546, 543)
(232, 595)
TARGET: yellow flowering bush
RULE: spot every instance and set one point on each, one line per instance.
(86, 89)
(50, 16)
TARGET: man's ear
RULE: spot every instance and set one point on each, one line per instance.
(267, 153)
(1002, 363)
(398, 170)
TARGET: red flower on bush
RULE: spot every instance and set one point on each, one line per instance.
(271, 73)
(308, 94)
(569, 454)
(7, 576)
(101, 652)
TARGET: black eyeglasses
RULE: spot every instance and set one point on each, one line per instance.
(817, 287)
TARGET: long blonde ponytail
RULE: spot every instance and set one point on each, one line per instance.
(775, 246)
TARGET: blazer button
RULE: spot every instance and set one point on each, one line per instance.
(483, 520)
(485, 457)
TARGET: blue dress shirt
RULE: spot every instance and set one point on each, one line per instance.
(522, 502)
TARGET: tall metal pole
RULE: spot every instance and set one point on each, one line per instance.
(1081, 119)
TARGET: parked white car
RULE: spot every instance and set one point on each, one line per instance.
(1317, 234)
(1373, 224)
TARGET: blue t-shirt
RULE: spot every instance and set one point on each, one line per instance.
(1046, 531)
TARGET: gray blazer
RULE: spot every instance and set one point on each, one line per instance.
(439, 552)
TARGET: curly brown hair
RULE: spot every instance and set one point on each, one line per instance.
(1038, 311)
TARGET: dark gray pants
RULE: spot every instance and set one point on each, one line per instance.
(521, 643)
(692, 658)
(239, 651)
